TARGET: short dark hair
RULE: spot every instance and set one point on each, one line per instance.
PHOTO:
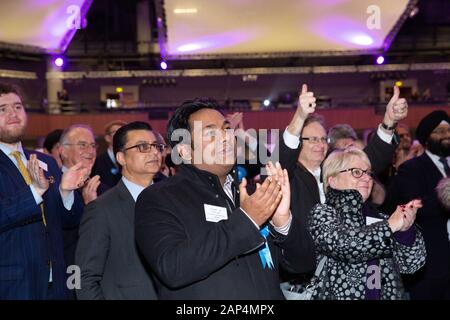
(180, 119)
(52, 139)
(120, 137)
(6, 88)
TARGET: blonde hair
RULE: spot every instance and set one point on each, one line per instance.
(340, 160)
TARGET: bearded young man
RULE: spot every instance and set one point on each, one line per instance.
(33, 197)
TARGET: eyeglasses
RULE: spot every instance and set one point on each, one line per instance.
(358, 173)
(82, 145)
(316, 140)
(147, 147)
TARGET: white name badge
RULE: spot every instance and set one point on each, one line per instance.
(215, 213)
(371, 220)
(43, 165)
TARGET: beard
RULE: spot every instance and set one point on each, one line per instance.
(13, 136)
(439, 147)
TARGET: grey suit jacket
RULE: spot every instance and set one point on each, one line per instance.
(111, 267)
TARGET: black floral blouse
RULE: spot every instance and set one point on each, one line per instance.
(339, 230)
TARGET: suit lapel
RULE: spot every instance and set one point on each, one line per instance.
(11, 168)
(433, 173)
(310, 182)
(126, 202)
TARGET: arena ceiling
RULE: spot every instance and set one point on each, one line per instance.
(222, 28)
(227, 28)
(45, 26)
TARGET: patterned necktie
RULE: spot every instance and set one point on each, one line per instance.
(446, 167)
(26, 176)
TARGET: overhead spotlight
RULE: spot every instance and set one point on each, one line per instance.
(59, 62)
(414, 12)
(266, 102)
(163, 65)
(380, 60)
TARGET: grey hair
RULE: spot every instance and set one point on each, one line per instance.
(339, 160)
(443, 192)
(341, 131)
(68, 130)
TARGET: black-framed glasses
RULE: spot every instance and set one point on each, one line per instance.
(358, 172)
(148, 147)
(316, 140)
(82, 145)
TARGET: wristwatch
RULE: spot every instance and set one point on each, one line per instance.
(386, 127)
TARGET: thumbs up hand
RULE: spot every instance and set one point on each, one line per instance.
(306, 102)
(396, 109)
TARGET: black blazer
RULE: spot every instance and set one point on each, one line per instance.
(26, 245)
(111, 267)
(418, 178)
(109, 174)
(196, 259)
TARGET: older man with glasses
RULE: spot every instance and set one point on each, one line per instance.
(77, 145)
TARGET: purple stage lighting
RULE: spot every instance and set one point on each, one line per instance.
(163, 65)
(59, 62)
(380, 60)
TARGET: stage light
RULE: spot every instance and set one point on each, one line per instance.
(362, 40)
(59, 62)
(266, 102)
(380, 60)
(163, 65)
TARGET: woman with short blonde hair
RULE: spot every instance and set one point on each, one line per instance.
(364, 253)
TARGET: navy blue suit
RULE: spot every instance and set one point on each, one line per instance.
(26, 245)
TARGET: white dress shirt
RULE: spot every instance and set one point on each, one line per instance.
(133, 188)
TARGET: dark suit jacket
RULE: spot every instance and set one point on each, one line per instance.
(71, 224)
(304, 188)
(26, 246)
(109, 174)
(111, 267)
(418, 178)
(196, 259)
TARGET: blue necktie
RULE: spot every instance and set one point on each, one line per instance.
(264, 252)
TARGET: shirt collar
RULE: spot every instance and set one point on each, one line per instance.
(133, 188)
(228, 181)
(7, 149)
(316, 172)
(433, 156)
(111, 155)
